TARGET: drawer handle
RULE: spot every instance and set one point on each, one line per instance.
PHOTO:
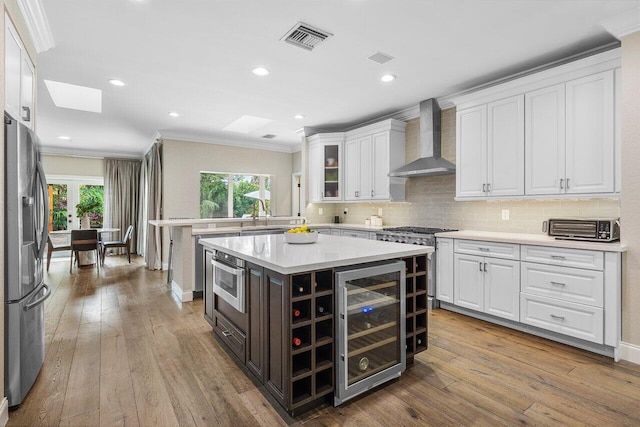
(484, 249)
(553, 316)
(558, 283)
(227, 333)
(558, 257)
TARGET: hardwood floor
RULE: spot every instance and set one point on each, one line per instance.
(122, 351)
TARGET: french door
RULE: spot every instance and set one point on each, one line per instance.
(64, 195)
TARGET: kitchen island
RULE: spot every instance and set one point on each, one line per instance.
(287, 331)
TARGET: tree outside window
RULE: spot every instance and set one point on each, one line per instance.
(240, 200)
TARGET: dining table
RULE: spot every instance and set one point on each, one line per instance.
(63, 238)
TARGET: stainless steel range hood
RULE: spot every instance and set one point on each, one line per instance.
(430, 162)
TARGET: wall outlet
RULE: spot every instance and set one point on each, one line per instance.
(320, 210)
(505, 214)
(379, 211)
(346, 211)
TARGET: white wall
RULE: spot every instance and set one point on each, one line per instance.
(184, 160)
(296, 162)
(69, 166)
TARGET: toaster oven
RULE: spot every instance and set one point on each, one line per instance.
(594, 230)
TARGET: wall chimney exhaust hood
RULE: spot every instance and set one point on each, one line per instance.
(430, 162)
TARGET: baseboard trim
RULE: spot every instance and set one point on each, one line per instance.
(183, 296)
(4, 412)
(630, 352)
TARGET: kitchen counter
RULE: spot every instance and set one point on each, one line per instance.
(272, 252)
(532, 239)
(200, 230)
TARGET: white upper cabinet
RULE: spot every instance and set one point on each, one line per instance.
(505, 147)
(552, 133)
(371, 153)
(490, 149)
(590, 134)
(325, 167)
(471, 149)
(19, 78)
(545, 140)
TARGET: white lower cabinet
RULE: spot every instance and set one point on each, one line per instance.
(573, 292)
(576, 320)
(487, 284)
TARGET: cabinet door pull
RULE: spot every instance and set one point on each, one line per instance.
(488, 187)
(357, 194)
(480, 266)
(553, 316)
(26, 116)
(485, 267)
(561, 181)
(484, 188)
(371, 193)
(558, 283)
(567, 183)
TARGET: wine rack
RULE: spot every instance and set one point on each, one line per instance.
(312, 358)
(416, 297)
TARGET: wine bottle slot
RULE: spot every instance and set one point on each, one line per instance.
(296, 312)
(297, 342)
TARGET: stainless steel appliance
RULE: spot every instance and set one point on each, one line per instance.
(371, 328)
(26, 230)
(595, 230)
(424, 236)
(228, 280)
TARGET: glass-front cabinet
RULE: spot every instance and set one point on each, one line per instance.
(325, 167)
(371, 327)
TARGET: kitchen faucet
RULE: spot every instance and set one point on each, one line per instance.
(264, 208)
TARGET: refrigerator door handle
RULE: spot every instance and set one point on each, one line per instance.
(42, 186)
(40, 300)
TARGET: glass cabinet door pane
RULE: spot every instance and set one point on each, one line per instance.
(373, 325)
(331, 170)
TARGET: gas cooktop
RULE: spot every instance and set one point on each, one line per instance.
(416, 230)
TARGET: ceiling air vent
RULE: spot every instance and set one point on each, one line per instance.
(380, 57)
(305, 36)
(268, 136)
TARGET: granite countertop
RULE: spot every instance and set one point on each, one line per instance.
(272, 252)
(532, 239)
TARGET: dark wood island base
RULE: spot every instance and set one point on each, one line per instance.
(286, 338)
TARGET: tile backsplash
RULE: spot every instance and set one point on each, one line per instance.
(430, 200)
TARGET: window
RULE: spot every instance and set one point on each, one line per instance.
(224, 195)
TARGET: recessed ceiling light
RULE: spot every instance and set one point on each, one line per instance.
(116, 82)
(174, 114)
(64, 138)
(260, 71)
(298, 116)
(388, 78)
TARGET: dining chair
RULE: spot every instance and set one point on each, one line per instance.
(59, 242)
(124, 243)
(84, 240)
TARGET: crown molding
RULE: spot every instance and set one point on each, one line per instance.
(625, 23)
(217, 140)
(37, 23)
(87, 154)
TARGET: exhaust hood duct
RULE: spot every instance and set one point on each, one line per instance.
(430, 162)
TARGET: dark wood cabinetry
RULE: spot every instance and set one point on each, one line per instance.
(287, 336)
(416, 294)
(207, 294)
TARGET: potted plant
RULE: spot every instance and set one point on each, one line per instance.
(88, 205)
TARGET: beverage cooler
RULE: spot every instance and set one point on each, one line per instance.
(370, 327)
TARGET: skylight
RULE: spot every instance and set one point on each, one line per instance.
(247, 124)
(65, 95)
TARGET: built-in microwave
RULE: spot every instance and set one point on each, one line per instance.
(228, 280)
(596, 230)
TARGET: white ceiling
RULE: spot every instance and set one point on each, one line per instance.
(195, 57)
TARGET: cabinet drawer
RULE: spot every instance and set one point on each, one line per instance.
(491, 249)
(568, 284)
(578, 258)
(355, 233)
(576, 320)
(231, 336)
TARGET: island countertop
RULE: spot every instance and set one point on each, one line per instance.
(272, 252)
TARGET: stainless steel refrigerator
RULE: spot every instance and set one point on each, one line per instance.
(26, 230)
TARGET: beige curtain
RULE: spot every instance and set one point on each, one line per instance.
(121, 189)
(152, 207)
